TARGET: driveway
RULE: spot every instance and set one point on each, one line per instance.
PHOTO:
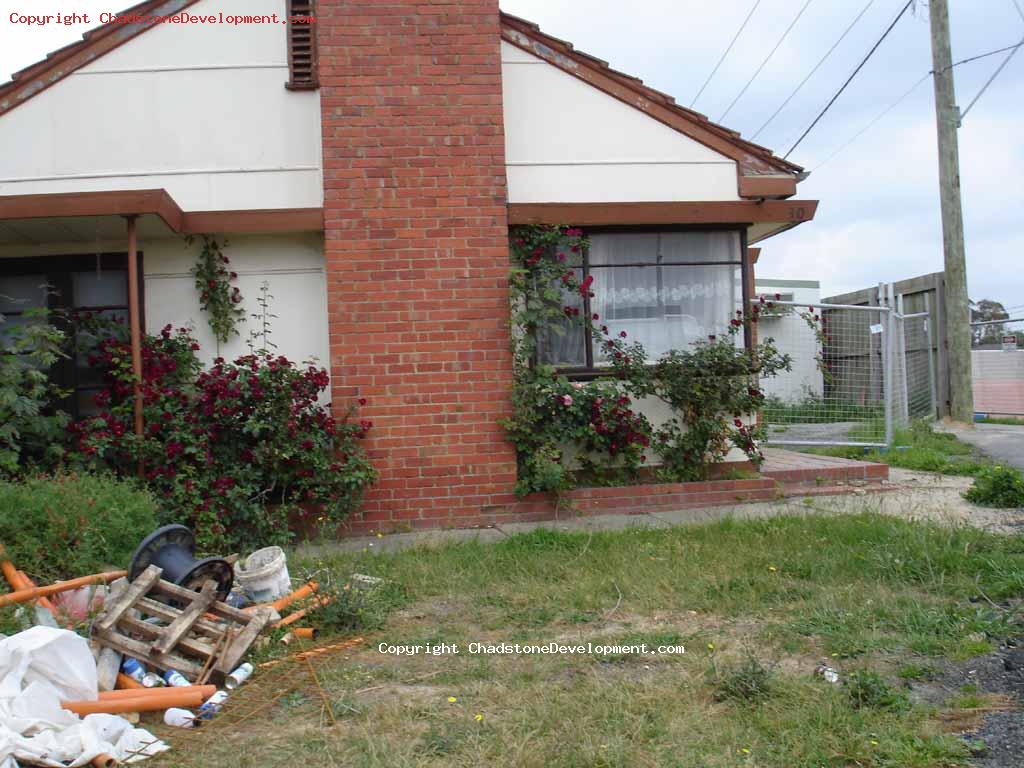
(1003, 442)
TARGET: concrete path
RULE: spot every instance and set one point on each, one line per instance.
(912, 495)
(1003, 442)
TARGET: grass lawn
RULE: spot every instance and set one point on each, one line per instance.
(757, 604)
(918, 448)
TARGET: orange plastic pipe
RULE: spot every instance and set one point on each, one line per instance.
(18, 580)
(138, 704)
(284, 602)
(27, 583)
(24, 595)
(129, 683)
(305, 633)
(104, 761)
(205, 691)
(293, 617)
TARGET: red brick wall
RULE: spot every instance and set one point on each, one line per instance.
(417, 248)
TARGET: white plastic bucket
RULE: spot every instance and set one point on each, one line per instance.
(264, 575)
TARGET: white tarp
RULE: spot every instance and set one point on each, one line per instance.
(39, 668)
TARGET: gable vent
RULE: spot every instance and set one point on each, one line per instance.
(302, 74)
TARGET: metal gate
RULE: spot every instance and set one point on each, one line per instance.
(859, 372)
(997, 367)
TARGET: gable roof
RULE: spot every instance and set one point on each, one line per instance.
(35, 78)
(761, 172)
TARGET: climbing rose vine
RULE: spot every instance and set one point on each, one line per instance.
(233, 450)
(566, 431)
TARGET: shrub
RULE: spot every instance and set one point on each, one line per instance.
(31, 431)
(997, 486)
(73, 524)
(234, 450)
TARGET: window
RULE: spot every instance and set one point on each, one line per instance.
(666, 290)
(302, 64)
(97, 284)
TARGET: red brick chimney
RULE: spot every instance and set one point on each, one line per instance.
(416, 239)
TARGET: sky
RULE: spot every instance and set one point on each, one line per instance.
(879, 216)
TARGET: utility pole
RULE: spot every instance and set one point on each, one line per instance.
(958, 314)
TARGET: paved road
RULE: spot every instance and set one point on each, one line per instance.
(1000, 441)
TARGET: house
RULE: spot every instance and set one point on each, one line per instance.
(368, 166)
(794, 337)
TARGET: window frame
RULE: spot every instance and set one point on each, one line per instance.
(58, 270)
(590, 371)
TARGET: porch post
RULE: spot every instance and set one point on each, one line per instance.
(134, 322)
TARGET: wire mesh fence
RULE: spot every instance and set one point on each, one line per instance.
(997, 367)
(914, 376)
(840, 388)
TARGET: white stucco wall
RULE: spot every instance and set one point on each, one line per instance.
(292, 264)
(567, 141)
(200, 110)
(793, 337)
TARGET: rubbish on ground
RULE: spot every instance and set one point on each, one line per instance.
(352, 642)
(104, 761)
(305, 633)
(45, 613)
(239, 676)
(77, 604)
(264, 575)
(39, 668)
(146, 701)
(181, 718)
(172, 548)
(190, 643)
(127, 683)
(362, 581)
(213, 705)
(827, 673)
(204, 691)
(108, 665)
(299, 594)
(301, 614)
(153, 680)
(33, 593)
(134, 669)
(175, 679)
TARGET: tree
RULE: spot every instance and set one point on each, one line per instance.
(987, 310)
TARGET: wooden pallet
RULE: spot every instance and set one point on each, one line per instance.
(202, 639)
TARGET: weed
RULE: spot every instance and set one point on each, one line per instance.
(747, 681)
(867, 689)
(997, 486)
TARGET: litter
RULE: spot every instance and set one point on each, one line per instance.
(181, 718)
(39, 668)
(239, 676)
(827, 673)
(264, 575)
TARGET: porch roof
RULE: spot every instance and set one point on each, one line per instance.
(69, 217)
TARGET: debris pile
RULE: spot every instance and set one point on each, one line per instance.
(169, 635)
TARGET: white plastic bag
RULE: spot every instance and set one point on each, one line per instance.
(39, 668)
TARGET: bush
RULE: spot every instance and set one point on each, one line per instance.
(31, 431)
(73, 524)
(997, 487)
(234, 450)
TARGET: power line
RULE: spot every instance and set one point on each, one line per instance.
(882, 114)
(909, 91)
(988, 82)
(850, 78)
(727, 50)
(766, 59)
(815, 69)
